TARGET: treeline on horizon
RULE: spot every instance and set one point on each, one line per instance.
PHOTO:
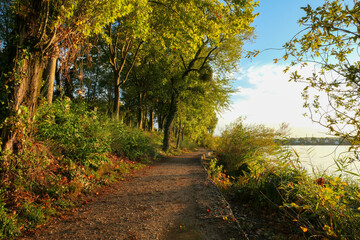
(315, 141)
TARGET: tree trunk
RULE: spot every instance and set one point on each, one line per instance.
(151, 121)
(140, 112)
(116, 95)
(178, 136)
(169, 121)
(25, 94)
(145, 119)
(160, 122)
(49, 75)
(182, 133)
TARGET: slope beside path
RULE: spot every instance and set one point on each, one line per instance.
(173, 200)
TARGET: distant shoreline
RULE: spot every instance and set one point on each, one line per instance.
(311, 141)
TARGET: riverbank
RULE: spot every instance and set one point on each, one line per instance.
(251, 167)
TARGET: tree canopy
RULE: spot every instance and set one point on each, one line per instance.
(162, 54)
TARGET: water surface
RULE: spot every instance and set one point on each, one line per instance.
(319, 159)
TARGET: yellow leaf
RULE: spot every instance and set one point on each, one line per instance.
(304, 229)
(332, 182)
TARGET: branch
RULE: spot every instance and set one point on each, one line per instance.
(183, 61)
(190, 68)
(132, 64)
(207, 57)
(124, 56)
(46, 20)
(50, 41)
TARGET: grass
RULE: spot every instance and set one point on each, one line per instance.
(325, 207)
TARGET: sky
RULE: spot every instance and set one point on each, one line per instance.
(264, 94)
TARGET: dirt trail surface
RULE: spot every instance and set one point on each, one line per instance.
(173, 200)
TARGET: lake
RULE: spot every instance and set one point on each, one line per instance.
(319, 159)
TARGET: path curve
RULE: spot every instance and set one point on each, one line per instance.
(173, 200)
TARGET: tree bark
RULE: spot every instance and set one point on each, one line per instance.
(169, 120)
(49, 75)
(161, 122)
(116, 95)
(151, 121)
(25, 94)
(178, 136)
(140, 112)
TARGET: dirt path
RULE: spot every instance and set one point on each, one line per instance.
(171, 200)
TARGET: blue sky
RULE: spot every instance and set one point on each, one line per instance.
(265, 96)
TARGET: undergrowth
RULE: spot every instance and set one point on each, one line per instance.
(320, 207)
(69, 151)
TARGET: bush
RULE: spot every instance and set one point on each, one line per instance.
(241, 146)
(76, 132)
(132, 143)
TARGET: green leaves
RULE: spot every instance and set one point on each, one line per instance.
(329, 41)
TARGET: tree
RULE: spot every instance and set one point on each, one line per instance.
(330, 41)
(122, 41)
(39, 27)
(199, 105)
(194, 44)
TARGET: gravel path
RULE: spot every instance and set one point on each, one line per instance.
(173, 199)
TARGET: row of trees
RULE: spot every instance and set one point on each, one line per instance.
(142, 61)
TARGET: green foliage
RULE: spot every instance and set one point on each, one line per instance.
(328, 206)
(241, 147)
(8, 227)
(325, 207)
(68, 152)
(75, 130)
(132, 143)
(214, 169)
(329, 43)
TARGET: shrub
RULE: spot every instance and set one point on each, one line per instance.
(75, 131)
(241, 146)
(8, 227)
(132, 143)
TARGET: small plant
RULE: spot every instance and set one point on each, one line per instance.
(8, 227)
(217, 174)
(214, 169)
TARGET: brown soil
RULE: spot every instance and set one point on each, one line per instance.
(173, 199)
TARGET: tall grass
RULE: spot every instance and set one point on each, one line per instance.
(260, 172)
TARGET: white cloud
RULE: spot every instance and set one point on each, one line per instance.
(271, 100)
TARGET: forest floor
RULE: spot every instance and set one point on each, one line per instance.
(172, 199)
